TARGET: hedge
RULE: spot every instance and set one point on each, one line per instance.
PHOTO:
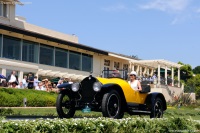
(14, 98)
(101, 125)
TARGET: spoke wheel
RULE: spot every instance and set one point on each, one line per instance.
(157, 109)
(65, 106)
(112, 105)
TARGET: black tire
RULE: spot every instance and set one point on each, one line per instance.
(157, 109)
(65, 106)
(112, 105)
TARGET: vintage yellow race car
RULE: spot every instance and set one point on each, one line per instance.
(110, 95)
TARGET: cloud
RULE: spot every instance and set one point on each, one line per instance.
(166, 5)
(180, 10)
(115, 8)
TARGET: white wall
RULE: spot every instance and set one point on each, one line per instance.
(30, 27)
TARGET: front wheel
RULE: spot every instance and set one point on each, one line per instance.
(157, 109)
(65, 106)
(112, 105)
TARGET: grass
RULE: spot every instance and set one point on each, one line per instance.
(185, 112)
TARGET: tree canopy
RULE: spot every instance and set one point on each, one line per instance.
(196, 70)
(185, 71)
(194, 83)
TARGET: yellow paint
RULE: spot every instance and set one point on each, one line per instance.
(131, 95)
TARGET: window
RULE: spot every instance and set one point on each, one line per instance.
(116, 65)
(87, 62)
(106, 62)
(30, 51)
(74, 60)
(46, 55)
(0, 44)
(125, 67)
(4, 10)
(12, 48)
(61, 58)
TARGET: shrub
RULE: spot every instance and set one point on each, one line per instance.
(101, 125)
(14, 98)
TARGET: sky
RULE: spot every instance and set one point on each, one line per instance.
(149, 29)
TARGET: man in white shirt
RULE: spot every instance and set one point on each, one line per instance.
(12, 77)
(40, 87)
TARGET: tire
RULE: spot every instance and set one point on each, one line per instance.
(65, 106)
(112, 105)
(157, 109)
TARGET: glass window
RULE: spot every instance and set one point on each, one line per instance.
(12, 48)
(106, 62)
(61, 58)
(87, 61)
(46, 55)
(30, 51)
(4, 10)
(1, 10)
(0, 44)
(74, 60)
(116, 65)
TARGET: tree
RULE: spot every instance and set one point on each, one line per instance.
(185, 71)
(196, 70)
(135, 57)
(194, 83)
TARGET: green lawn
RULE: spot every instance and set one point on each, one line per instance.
(185, 112)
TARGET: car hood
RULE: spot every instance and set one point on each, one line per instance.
(120, 82)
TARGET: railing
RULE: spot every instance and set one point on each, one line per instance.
(169, 82)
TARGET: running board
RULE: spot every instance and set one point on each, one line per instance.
(140, 111)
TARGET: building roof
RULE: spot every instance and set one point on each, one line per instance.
(49, 38)
(154, 63)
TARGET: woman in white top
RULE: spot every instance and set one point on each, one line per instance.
(134, 83)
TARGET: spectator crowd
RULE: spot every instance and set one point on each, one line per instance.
(31, 82)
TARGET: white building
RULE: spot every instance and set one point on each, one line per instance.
(29, 48)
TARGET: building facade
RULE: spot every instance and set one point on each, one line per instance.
(29, 48)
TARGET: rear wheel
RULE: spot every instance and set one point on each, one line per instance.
(112, 105)
(157, 109)
(65, 106)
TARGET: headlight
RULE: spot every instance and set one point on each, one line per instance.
(75, 87)
(97, 86)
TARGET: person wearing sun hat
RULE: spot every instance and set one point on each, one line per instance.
(134, 83)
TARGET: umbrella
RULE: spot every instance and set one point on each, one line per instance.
(2, 77)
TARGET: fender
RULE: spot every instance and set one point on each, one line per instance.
(107, 87)
(152, 97)
(65, 87)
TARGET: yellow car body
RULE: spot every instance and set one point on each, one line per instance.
(112, 96)
(131, 95)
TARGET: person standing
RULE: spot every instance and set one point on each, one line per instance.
(12, 78)
(30, 81)
(35, 82)
(24, 82)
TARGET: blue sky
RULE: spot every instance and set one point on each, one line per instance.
(150, 29)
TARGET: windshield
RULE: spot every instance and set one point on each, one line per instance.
(115, 74)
